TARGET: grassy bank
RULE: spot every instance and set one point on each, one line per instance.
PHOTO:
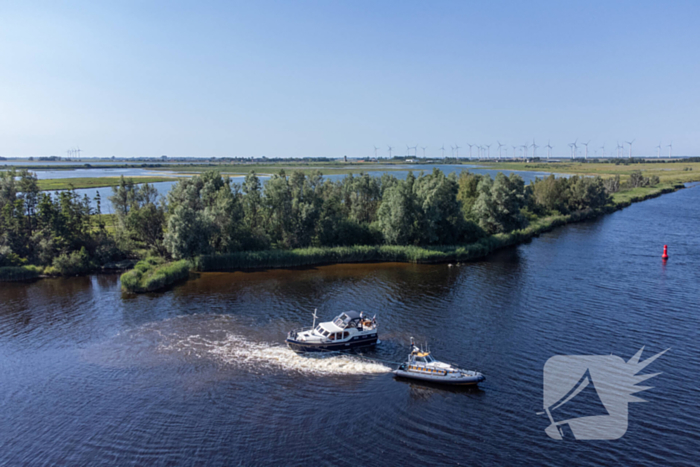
(97, 182)
(624, 198)
(19, 273)
(270, 259)
(153, 274)
(676, 171)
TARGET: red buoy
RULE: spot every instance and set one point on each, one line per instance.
(665, 255)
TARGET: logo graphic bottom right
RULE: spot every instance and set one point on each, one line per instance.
(589, 394)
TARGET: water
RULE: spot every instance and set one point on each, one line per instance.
(99, 172)
(163, 187)
(197, 375)
(400, 171)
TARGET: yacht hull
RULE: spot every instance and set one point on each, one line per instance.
(452, 381)
(361, 341)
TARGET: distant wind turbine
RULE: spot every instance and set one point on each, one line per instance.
(574, 147)
(602, 151)
(586, 144)
(470, 150)
(457, 150)
(670, 147)
(375, 151)
(534, 148)
(390, 148)
(658, 151)
(499, 148)
(630, 143)
(424, 148)
(549, 150)
(488, 148)
(443, 150)
(515, 150)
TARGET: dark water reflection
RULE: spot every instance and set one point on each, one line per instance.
(196, 375)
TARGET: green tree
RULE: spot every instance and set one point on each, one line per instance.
(187, 234)
(398, 214)
(123, 197)
(439, 217)
(468, 192)
(587, 193)
(499, 203)
(206, 215)
(550, 194)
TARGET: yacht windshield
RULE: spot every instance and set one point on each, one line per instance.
(429, 359)
(341, 320)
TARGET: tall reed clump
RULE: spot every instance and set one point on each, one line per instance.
(153, 274)
(19, 273)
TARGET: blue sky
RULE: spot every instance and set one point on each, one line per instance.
(335, 78)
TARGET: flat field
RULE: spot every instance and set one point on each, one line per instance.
(676, 171)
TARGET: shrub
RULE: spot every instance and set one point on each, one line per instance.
(77, 262)
(8, 257)
(612, 185)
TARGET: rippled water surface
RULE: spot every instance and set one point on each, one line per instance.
(198, 374)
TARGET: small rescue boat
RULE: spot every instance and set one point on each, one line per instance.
(349, 330)
(422, 366)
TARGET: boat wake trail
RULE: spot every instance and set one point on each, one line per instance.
(214, 339)
(238, 351)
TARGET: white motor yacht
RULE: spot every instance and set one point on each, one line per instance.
(348, 330)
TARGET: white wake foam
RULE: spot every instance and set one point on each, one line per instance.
(238, 351)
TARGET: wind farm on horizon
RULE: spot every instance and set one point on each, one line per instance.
(577, 150)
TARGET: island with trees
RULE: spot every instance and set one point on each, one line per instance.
(209, 223)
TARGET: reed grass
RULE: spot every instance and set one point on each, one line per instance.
(365, 254)
(19, 273)
(153, 274)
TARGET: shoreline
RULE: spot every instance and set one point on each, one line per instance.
(281, 259)
(317, 256)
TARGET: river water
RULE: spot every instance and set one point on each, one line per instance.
(197, 375)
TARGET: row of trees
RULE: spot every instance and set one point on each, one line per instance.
(209, 214)
(38, 228)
